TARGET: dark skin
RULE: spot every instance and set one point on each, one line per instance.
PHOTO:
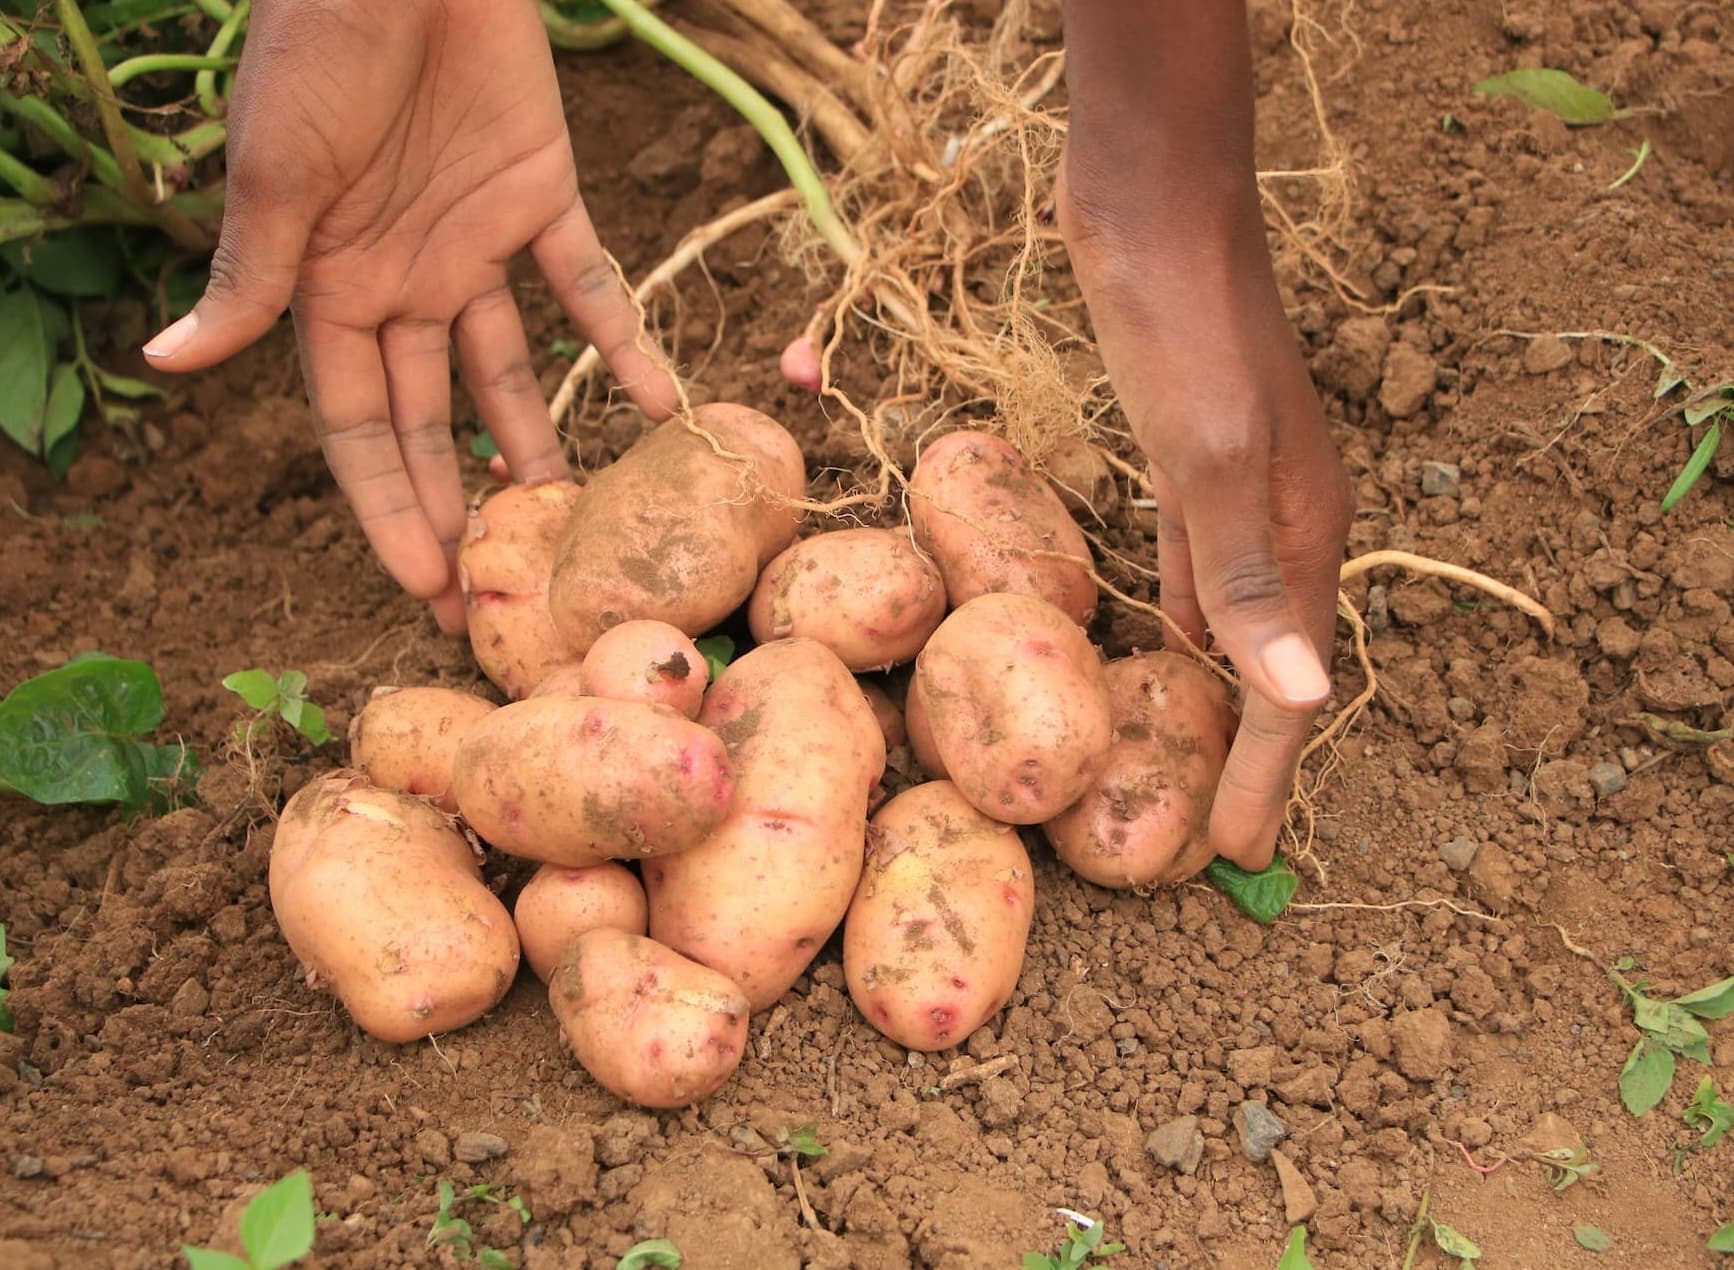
(383, 174)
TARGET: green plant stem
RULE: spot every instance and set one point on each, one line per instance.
(206, 82)
(583, 37)
(755, 109)
(1418, 1231)
(154, 63)
(184, 147)
(52, 124)
(31, 184)
(216, 10)
(98, 206)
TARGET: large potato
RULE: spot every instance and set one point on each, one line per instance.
(759, 897)
(577, 780)
(1016, 707)
(676, 532)
(504, 565)
(406, 738)
(866, 594)
(383, 902)
(934, 941)
(982, 511)
(647, 661)
(651, 1026)
(1147, 817)
(560, 904)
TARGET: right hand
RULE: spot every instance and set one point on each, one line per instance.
(385, 163)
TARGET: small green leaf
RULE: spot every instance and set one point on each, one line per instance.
(564, 348)
(26, 355)
(256, 687)
(211, 1259)
(125, 385)
(1592, 1237)
(310, 723)
(1718, 398)
(1294, 1252)
(1554, 91)
(1706, 1112)
(805, 1141)
(6, 964)
(650, 1252)
(1671, 378)
(518, 1206)
(1714, 1002)
(277, 1224)
(494, 1259)
(1454, 1244)
(1645, 1078)
(717, 650)
(82, 263)
(1262, 896)
(292, 685)
(483, 445)
(1695, 467)
(60, 418)
(1723, 1239)
(1039, 1261)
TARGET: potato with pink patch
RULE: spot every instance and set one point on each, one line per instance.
(578, 780)
(935, 937)
(504, 565)
(560, 904)
(646, 661)
(407, 738)
(651, 1026)
(382, 900)
(1146, 819)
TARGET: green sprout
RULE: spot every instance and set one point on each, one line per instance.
(276, 1229)
(283, 697)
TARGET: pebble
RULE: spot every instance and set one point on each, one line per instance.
(1608, 778)
(1441, 480)
(1298, 1198)
(1461, 708)
(433, 1147)
(473, 1148)
(1548, 353)
(31, 1166)
(1410, 377)
(1459, 853)
(1259, 1130)
(1177, 1145)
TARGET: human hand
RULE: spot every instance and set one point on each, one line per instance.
(385, 164)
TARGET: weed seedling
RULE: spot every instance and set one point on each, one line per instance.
(1083, 1246)
(1723, 1239)
(1566, 1166)
(1449, 1240)
(1556, 92)
(276, 1229)
(1262, 896)
(1294, 1252)
(1706, 1112)
(803, 1142)
(648, 1253)
(284, 697)
(456, 1233)
(1667, 1029)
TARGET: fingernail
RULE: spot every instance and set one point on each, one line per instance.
(173, 338)
(1293, 666)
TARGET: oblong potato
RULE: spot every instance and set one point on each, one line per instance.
(646, 661)
(1016, 706)
(1146, 819)
(651, 1026)
(935, 937)
(382, 900)
(577, 780)
(559, 904)
(673, 530)
(866, 594)
(981, 510)
(504, 565)
(759, 897)
(406, 738)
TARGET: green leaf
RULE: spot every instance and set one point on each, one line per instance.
(1718, 398)
(1671, 378)
(565, 348)
(1706, 1111)
(125, 386)
(650, 1252)
(1554, 91)
(1723, 1239)
(292, 685)
(1695, 467)
(277, 1224)
(255, 687)
(6, 964)
(1038, 1261)
(483, 445)
(1454, 1244)
(805, 1141)
(309, 721)
(1592, 1237)
(60, 418)
(82, 263)
(717, 650)
(26, 355)
(1262, 896)
(1714, 1002)
(1294, 1252)
(211, 1259)
(1645, 1078)
(494, 1259)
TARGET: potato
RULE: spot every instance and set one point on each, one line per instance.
(504, 565)
(559, 904)
(934, 941)
(1081, 475)
(866, 594)
(921, 733)
(1146, 819)
(577, 780)
(406, 738)
(1016, 705)
(970, 479)
(885, 711)
(646, 661)
(674, 531)
(649, 1025)
(759, 897)
(382, 900)
(562, 681)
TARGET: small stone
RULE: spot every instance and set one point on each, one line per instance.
(1440, 480)
(1700, 936)
(474, 1148)
(1546, 354)
(840, 1158)
(1608, 778)
(190, 1000)
(31, 1165)
(1410, 377)
(1461, 708)
(1259, 1130)
(1494, 878)
(1421, 1040)
(433, 1146)
(1298, 1200)
(1251, 1068)
(1177, 1145)
(1459, 853)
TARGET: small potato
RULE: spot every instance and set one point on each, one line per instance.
(647, 661)
(564, 681)
(577, 780)
(1015, 702)
(934, 941)
(1082, 477)
(504, 565)
(406, 738)
(383, 902)
(1147, 817)
(890, 718)
(649, 1025)
(981, 510)
(921, 733)
(558, 905)
(866, 594)
(676, 532)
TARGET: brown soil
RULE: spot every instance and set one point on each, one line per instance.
(168, 1058)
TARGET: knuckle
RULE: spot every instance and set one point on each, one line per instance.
(1248, 582)
(516, 378)
(593, 279)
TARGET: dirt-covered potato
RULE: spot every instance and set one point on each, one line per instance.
(504, 565)
(921, 743)
(891, 725)
(759, 897)
(382, 900)
(577, 780)
(934, 941)
(1147, 816)
(406, 739)
(676, 531)
(651, 1026)
(1083, 478)
(563, 681)
(992, 524)
(560, 904)
(866, 594)
(1016, 706)
(646, 661)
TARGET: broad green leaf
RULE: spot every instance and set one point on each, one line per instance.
(717, 651)
(1454, 1244)
(81, 263)
(211, 1259)
(1723, 1239)
(60, 418)
(6, 964)
(1714, 1002)
(1262, 896)
(255, 687)
(1554, 91)
(1695, 467)
(1708, 1113)
(125, 386)
(650, 1252)
(26, 355)
(1645, 1078)
(1294, 1252)
(1592, 1237)
(277, 1224)
(1673, 1027)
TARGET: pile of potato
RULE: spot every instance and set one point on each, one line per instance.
(699, 842)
